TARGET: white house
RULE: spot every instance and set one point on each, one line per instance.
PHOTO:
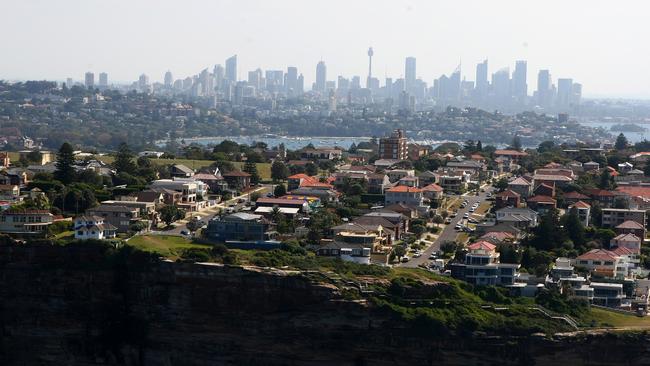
(93, 227)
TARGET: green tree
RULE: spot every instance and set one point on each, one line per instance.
(516, 143)
(399, 251)
(193, 225)
(171, 213)
(311, 169)
(124, 160)
(251, 168)
(574, 228)
(65, 171)
(279, 171)
(606, 181)
(621, 142)
(279, 190)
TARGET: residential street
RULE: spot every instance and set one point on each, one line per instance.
(449, 233)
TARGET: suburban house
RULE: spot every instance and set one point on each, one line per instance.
(321, 154)
(93, 227)
(180, 171)
(521, 186)
(573, 197)
(482, 267)
(25, 222)
(455, 182)
(240, 226)
(428, 177)
(9, 192)
(238, 180)
(378, 183)
(541, 204)
(629, 241)
(301, 205)
(215, 183)
(612, 217)
(351, 252)
(507, 198)
(604, 263)
(120, 217)
(395, 175)
(403, 194)
(434, 193)
(517, 217)
(512, 155)
(631, 227)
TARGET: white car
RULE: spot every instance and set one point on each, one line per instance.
(466, 215)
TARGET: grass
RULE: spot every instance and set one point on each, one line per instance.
(462, 238)
(65, 236)
(605, 318)
(166, 245)
(483, 208)
(264, 169)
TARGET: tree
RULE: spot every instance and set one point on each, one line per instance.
(399, 251)
(438, 220)
(193, 225)
(124, 160)
(574, 228)
(65, 171)
(311, 169)
(545, 146)
(501, 184)
(251, 168)
(171, 213)
(279, 190)
(479, 146)
(279, 171)
(516, 143)
(621, 142)
(605, 180)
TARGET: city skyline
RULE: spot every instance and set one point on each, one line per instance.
(483, 31)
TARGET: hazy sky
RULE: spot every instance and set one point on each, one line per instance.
(601, 44)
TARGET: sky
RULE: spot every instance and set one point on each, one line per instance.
(601, 44)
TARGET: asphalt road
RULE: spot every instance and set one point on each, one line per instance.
(449, 233)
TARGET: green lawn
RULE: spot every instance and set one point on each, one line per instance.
(165, 245)
(264, 169)
(605, 318)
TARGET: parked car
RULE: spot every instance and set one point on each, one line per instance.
(185, 232)
(405, 259)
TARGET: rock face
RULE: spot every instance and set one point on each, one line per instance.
(68, 306)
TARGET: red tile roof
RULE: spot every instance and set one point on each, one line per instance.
(637, 191)
(629, 224)
(482, 245)
(541, 199)
(404, 189)
(510, 153)
(598, 255)
(575, 196)
(432, 188)
(508, 193)
(581, 204)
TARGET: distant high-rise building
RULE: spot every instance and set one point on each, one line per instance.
(482, 84)
(255, 79)
(409, 73)
(388, 88)
(395, 146)
(501, 86)
(89, 80)
(169, 79)
(331, 104)
(143, 83)
(231, 69)
(103, 79)
(564, 92)
(356, 83)
(219, 74)
(519, 84)
(69, 82)
(321, 77)
(370, 54)
(300, 88)
(544, 88)
(291, 82)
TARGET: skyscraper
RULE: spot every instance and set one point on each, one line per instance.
(103, 79)
(218, 73)
(409, 73)
(231, 69)
(255, 79)
(501, 86)
(544, 88)
(482, 79)
(291, 83)
(143, 83)
(168, 79)
(300, 88)
(370, 54)
(564, 92)
(321, 77)
(89, 80)
(519, 85)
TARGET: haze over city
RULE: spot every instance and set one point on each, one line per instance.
(579, 39)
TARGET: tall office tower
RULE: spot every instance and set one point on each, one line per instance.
(576, 94)
(321, 77)
(453, 90)
(291, 81)
(69, 82)
(330, 85)
(398, 87)
(395, 146)
(544, 88)
(178, 84)
(207, 82)
(370, 54)
(218, 73)
(255, 79)
(103, 79)
(564, 92)
(388, 87)
(519, 84)
(143, 83)
(89, 81)
(300, 87)
(231, 69)
(409, 73)
(482, 84)
(187, 83)
(356, 83)
(501, 87)
(169, 79)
